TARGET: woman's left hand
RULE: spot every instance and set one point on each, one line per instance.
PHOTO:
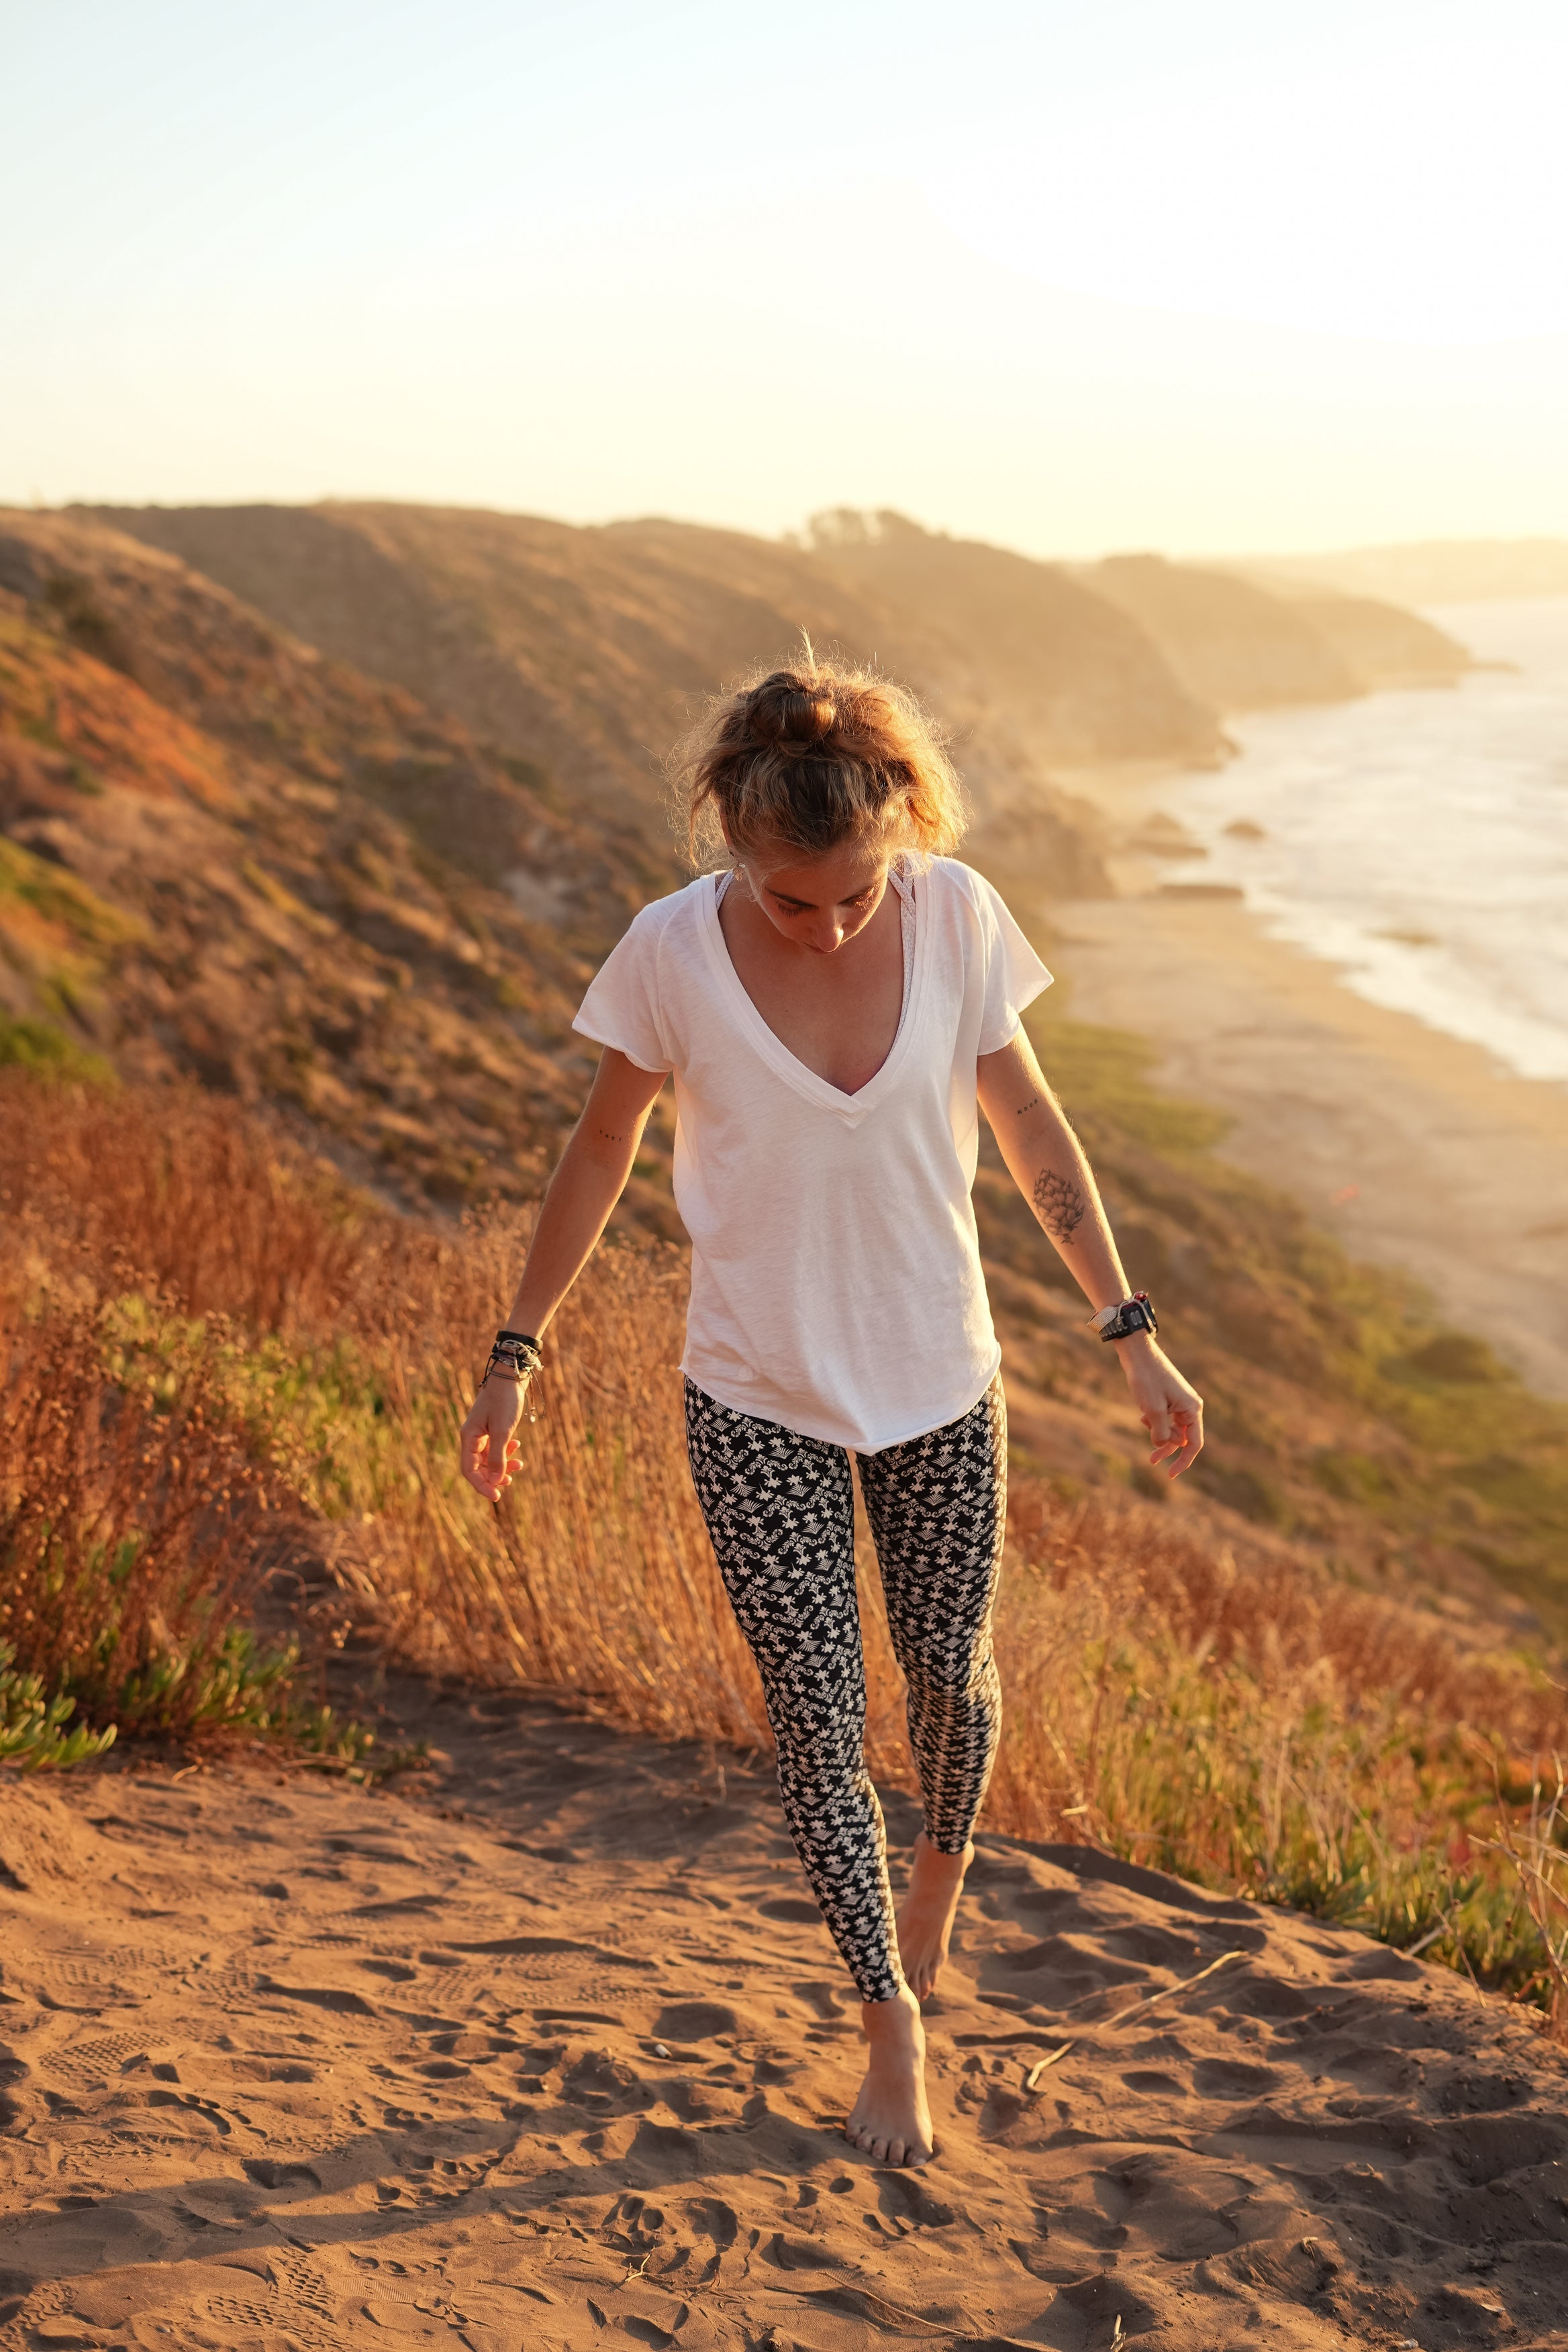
(1169, 1407)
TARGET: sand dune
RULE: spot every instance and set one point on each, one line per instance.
(548, 2049)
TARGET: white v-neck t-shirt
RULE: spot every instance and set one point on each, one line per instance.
(835, 1279)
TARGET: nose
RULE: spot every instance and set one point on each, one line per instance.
(826, 935)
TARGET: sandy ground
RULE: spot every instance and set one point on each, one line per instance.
(548, 2049)
(1410, 1145)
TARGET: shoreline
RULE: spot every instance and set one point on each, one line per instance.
(1414, 1148)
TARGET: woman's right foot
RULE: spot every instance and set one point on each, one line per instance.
(891, 2121)
(926, 1914)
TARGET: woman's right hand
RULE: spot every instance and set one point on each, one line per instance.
(489, 1448)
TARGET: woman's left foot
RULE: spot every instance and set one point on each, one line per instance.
(891, 2121)
(926, 1914)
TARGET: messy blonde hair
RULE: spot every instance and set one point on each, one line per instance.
(811, 756)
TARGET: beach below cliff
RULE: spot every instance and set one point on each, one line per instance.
(1418, 1150)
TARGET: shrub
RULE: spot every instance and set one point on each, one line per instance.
(123, 1525)
(1251, 1723)
(33, 1731)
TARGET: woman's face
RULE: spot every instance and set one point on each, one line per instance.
(818, 902)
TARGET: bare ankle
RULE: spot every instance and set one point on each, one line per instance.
(927, 1913)
(938, 1861)
(883, 2019)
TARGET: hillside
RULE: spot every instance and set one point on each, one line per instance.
(587, 647)
(591, 648)
(588, 650)
(225, 859)
(1381, 645)
(1238, 645)
(1063, 665)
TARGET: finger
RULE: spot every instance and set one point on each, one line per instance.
(479, 1459)
(1192, 1443)
(1163, 1428)
(489, 1459)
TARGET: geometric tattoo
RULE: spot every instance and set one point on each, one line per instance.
(1059, 1204)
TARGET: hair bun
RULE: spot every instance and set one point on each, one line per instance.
(792, 713)
(810, 755)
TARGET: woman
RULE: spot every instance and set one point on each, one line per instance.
(834, 1006)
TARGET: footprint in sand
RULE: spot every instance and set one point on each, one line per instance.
(323, 2125)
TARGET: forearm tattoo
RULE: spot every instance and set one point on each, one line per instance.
(1060, 1205)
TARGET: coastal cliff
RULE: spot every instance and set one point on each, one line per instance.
(1238, 645)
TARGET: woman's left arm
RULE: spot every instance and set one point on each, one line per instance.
(1046, 1162)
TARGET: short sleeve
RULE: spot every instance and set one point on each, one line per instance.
(622, 1006)
(1015, 975)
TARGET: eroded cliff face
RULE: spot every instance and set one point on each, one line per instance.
(1054, 665)
(1240, 642)
(591, 650)
(225, 857)
(1381, 645)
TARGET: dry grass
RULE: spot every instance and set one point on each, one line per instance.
(593, 1575)
(128, 1520)
(1269, 1729)
(172, 1191)
(236, 1319)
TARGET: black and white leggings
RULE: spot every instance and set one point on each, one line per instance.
(780, 1511)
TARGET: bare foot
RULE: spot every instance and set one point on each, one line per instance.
(926, 1914)
(891, 2121)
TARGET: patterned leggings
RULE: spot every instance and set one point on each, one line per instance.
(780, 1511)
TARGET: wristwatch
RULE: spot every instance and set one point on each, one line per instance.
(1128, 1314)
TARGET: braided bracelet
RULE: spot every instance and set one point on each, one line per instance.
(515, 1355)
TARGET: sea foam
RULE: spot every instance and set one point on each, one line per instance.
(1419, 840)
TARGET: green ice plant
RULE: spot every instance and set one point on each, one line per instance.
(33, 1729)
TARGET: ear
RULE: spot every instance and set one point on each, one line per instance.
(736, 856)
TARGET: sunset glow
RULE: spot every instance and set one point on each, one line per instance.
(1203, 278)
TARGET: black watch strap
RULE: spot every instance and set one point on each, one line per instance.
(1134, 1314)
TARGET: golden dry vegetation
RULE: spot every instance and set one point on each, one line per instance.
(221, 1358)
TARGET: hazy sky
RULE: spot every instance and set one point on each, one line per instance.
(1072, 274)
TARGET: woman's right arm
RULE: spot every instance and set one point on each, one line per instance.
(589, 1178)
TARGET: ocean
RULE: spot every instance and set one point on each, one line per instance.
(1418, 840)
